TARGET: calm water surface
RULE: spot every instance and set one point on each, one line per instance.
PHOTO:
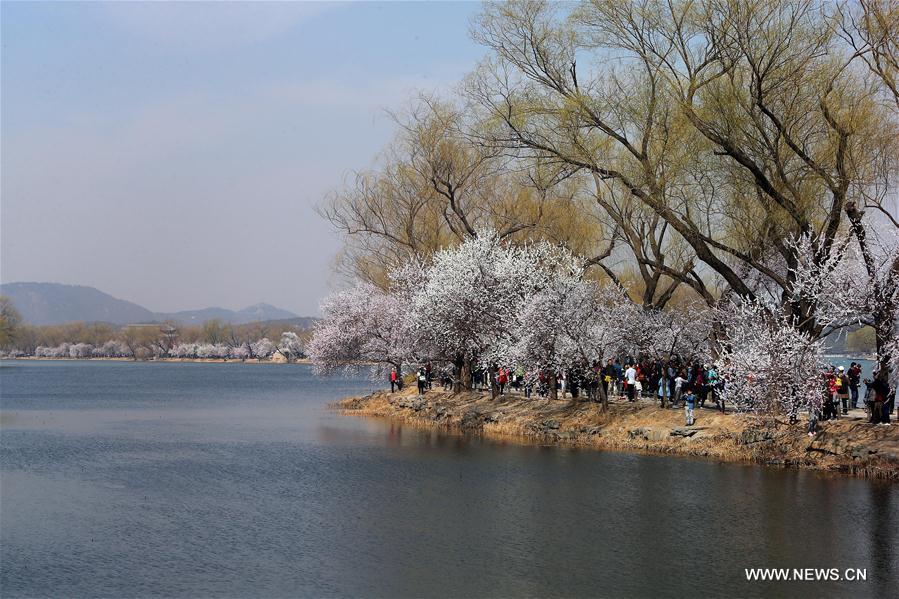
(194, 480)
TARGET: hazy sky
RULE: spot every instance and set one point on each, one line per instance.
(172, 154)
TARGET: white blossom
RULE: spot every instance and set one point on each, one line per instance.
(81, 350)
(262, 348)
(470, 297)
(362, 326)
(768, 364)
(290, 346)
(241, 352)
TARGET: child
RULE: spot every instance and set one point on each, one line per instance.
(689, 404)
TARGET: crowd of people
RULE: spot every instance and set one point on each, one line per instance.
(670, 382)
(840, 393)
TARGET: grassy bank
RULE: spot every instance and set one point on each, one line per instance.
(848, 446)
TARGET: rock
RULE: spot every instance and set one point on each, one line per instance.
(751, 436)
(413, 403)
(647, 434)
(355, 403)
(441, 412)
(548, 427)
(471, 419)
(683, 432)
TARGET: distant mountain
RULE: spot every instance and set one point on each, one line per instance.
(255, 313)
(259, 312)
(54, 303)
(198, 316)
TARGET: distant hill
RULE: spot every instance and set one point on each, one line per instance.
(55, 303)
(255, 313)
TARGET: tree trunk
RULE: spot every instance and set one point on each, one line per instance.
(458, 367)
(553, 391)
(466, 374)
(884, 312)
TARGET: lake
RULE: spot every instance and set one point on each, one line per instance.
(234, 480)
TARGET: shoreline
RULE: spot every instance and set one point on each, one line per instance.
(848, 446)
(194, 360)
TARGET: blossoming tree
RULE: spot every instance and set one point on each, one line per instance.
(362, 326)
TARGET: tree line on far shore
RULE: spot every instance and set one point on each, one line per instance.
(213, 339)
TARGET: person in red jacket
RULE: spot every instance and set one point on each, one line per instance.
(394, 380)
(502, 378)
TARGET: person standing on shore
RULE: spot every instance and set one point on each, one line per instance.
(855, 377)
(689, 404)
(812, 420)
(630, 379)
(394, 379)
(830, 389)
(422, 381)
(880, 414)
(678, 388)
(502, 378)
(842, 385)
(663, 385)
(478, 378)
(618, 377)
(699, 385)
(607, 375)
(712, 381)
(630, 376)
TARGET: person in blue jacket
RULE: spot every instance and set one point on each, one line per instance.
(689, 404)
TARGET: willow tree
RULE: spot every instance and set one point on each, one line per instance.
(613, 122)
(871, 28)
(740, 124)
(436, 187)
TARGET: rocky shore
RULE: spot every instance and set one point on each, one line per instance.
(847, 446)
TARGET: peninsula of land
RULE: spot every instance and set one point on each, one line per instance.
(849, 445)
